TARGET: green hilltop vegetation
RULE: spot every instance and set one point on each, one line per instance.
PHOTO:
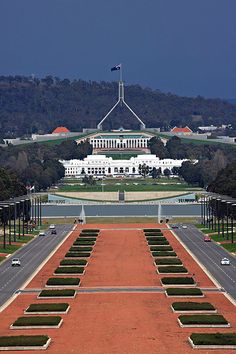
(39, 105)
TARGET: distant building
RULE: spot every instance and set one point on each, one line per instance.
(60, 130)
(100, 165)
(185, 130)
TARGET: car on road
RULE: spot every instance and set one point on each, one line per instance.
(175, 226)
(53, 232)
(52, 226)
(225, 261)
(184, 226)
(42, 233)
(15, 262)
(207, 238)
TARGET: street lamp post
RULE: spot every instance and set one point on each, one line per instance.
(227, 219)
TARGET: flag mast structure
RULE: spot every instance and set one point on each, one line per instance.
(121, 100)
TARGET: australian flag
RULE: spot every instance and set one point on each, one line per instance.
(117, 67)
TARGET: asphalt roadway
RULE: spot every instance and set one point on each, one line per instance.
(210, 255)
(31, 256)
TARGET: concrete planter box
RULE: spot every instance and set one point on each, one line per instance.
(210, 346)
(43, 347)
(172, 273)
(73, 265)
(36, 327)
(48, 312)
(57, 297)
(62, 286)
(184, 296)
(203, 325)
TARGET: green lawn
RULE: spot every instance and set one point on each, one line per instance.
(9, 248)
(2, 259)
(231, 247)
(221, 238)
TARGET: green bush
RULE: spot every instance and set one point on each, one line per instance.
(69, 270)
(23, 341)
(77, 254)
(203, 319)
(63, 281)
(152, 243)
(184, 291)
(164, 254)
(84, 242)
(193, 306)
(168, 261)
(81, 262)
(57, 293)
(179, 280)
(62, 307)
(37, 321)
(81, 249)
(213, 338)
(172, 269)
(160, 248)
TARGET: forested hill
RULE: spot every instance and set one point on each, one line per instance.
(37, 106)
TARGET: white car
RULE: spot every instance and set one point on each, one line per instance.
(225, 261)
(184, 226)
(15, 262)
(42, 233)
(52, 226)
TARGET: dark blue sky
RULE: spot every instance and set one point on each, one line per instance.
(187, 47)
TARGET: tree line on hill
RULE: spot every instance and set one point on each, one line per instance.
(31, 105)
(225, 182)
(36, 165)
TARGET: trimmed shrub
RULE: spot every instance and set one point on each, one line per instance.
(48, 307)
(63, 281)
(164, 254)
(179, 280)
(57, 293)
(38, 321)
(172, 269)
(184, 291)
(77, 254)
(90, 230)
(156, 238)
(213, 338)
(160, 248)
(84, 242)
(168, 261)
(81, 249)
(85, 239)
(69, 262)
(161, 242)
(23, 341)
(202, 319)
(152, 230)
(69, 270)
(193, 306)
(153, 234)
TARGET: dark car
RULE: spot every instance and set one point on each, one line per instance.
(54, 232)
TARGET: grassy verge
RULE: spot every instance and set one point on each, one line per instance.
(9, 248)
(62, 307)
(193, 306)
(23, 341)
(231, 247)
(213, 338)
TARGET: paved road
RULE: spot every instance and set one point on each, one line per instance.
(210, 255)
(71, 210)
(31, 256)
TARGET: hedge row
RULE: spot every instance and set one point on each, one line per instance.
(85, 239)
(168, 261)
(90, 230)
(153, 234)
(160, 248)
(23, 341)
(213, 338)
(184, 292)
(179, 280)
(69, 270)
(63, 281)
(84, 242)
(203, 319)
(164, 254)
(88, 236)
(69, 262)
(62, 307)
(152, 230)
(77, 254)
(57, 293)
(156, 238)
(81, 249)
(38, 321)
(193, 306)
(172, 269)
(152, 243)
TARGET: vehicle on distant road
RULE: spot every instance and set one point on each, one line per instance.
(15, 262)
(52, 226)
(53, 232)
(225, 261)
(207, 238)
(175, 226)
(42, 233)
(184, 226)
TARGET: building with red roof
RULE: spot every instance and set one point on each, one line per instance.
(60, 130)
(185, 130)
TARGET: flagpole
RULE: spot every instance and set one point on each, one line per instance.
(120, 72)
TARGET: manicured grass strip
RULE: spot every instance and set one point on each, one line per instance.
(184, 292)
(155, 238)
(152, 243)
(57, 293)
(231, 247)
(69, 262)
(2, 259)
(77, 254)
(47, 307)
(69, 270)
(168, 261)
(84, 242)
(213, 338)
(152, 230)
(81, 249)
(23, 341)
(154, 234)
(63, 281)
(179, 280)
(164, 254)
(85, 239)
(9, 248)
(38, 321)
(202, 319)
(193, 306)
(160, 248)
(172, 269)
